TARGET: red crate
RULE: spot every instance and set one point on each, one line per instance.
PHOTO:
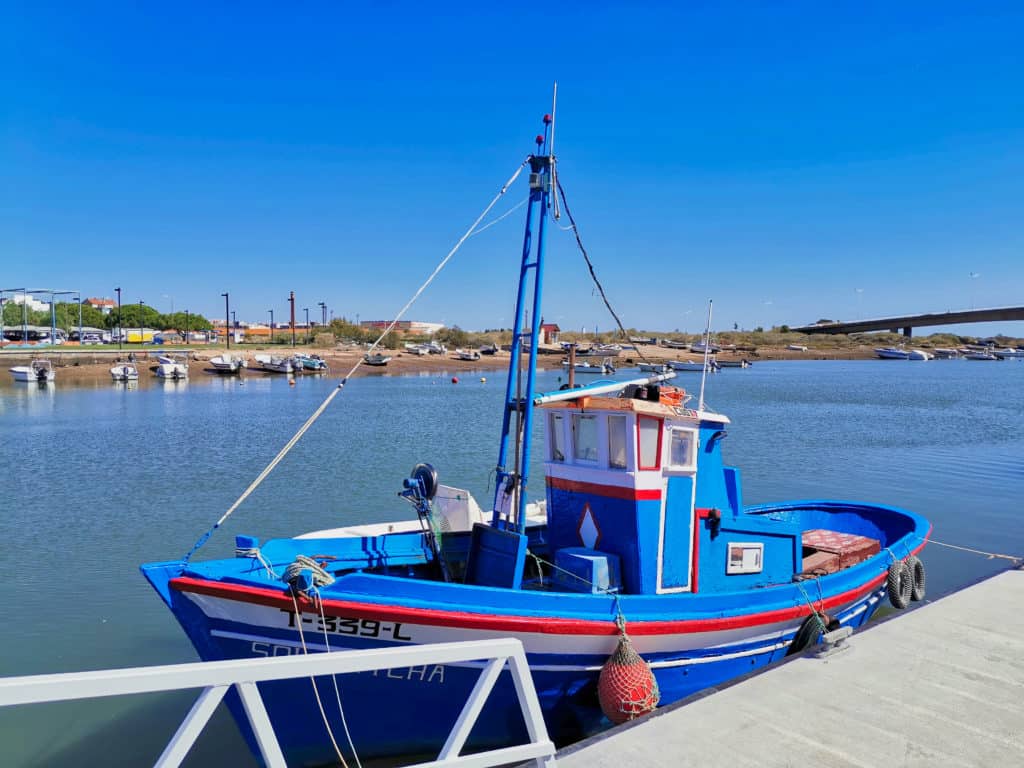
(850, 548)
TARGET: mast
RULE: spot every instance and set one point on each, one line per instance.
(508, 510)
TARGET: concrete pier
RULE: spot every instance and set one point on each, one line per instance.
(942, 685)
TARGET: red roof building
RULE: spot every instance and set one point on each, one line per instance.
(106, 306)
(549, 333)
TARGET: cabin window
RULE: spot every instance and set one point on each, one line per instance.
(556, 436)
(584, 428)
(649, 440)
(681, 449)
(617, 442)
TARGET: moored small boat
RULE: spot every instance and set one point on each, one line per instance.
(693, 366)
(174, 367)
(226, 363)
(467, 354)
(653, 368)
(376, 359)
(892, 353)
(275, 363)
(978, 355)
(587, 367)
(744, 363)
(311, 363)
(489, 349)
(1008, 353)
(40, 371)
(919, 354)
(124, 372)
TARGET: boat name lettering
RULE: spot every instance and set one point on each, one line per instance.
(345, 626)
(434, 675)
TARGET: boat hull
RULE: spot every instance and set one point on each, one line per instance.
(692, 642)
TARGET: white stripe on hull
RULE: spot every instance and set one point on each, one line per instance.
(261, 617)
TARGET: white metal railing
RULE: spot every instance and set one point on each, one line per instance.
(217, 677)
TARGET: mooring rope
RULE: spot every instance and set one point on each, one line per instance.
(337, 691)
(323, 406)
(316, 691)
(989, 555)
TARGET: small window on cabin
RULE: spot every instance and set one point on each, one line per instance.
(649, 430)
(584, 429)
(556, 436)
(617, 442)
(680, 452)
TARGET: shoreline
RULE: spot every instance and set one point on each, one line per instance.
(90, 366)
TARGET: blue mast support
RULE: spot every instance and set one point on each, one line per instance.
(510, 480)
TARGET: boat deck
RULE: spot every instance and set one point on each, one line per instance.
(940, 685)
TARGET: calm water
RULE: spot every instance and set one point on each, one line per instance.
(98, 480)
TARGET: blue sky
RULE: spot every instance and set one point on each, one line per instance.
(773, 156)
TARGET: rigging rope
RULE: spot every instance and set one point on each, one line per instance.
(323, 406)
(590, 266)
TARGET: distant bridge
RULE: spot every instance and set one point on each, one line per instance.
(907, 323)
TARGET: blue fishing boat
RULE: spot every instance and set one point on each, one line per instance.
(642, 545)
(310, 363)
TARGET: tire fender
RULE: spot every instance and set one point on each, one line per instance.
(917, 577)
(899, 584)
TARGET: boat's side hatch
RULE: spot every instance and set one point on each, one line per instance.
(496, 557)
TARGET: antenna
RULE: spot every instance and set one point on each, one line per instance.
(551, 152)
(704, 371)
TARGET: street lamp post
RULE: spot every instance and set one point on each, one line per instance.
(186, 326)
(227, 317)
(291, 302)
(120, 331)
(271, 325)
(323, 312)
(142, 336)
(306, 310)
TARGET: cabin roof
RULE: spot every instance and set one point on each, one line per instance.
(644, 407)
(616, 404)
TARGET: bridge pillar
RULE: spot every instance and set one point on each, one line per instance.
(908, 331)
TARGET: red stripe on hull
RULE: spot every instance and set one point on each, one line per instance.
(629, 493)
(528, 624)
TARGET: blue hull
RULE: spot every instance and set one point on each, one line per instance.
(410, 711)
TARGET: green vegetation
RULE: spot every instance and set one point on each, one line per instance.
(133, 316)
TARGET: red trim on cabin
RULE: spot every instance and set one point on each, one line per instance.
(639, 451)
(627, 492)
(548, 625)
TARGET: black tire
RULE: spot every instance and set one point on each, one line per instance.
(900, 584)
(917, 578)
(810, 632)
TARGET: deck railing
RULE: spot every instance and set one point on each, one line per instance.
(215, 678)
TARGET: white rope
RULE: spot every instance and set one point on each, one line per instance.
(323, 406)
(989, 555)
(255, 554)
(337, 692)
(316, 691)
(505, 215)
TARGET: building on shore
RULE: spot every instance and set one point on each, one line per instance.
(106, 306)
